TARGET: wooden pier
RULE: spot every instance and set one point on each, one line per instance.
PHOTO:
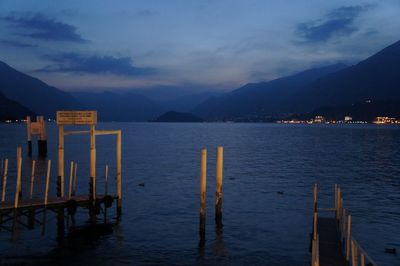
(66, 202)
(332, 242)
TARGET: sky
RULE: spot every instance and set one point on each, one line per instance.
(210, 44)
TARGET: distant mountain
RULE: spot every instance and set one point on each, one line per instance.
(187, 102)
(261, 99)
(173, 116)
(33, 93)
(376, 78)
(119, 106)
(179, 98)
(11, 110)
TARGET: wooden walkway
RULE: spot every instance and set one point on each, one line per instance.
(330, 247)
(82, 200)
(332, 241)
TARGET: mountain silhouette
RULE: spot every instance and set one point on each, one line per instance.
(11, 110)
(375, 78)
(261, 99)
(34, 93)
(119, 106)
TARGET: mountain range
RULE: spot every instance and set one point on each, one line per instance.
(334, 89)
(375, 78)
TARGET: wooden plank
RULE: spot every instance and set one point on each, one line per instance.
(32, 178)
(5, 175)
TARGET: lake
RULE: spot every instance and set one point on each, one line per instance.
(160, 222)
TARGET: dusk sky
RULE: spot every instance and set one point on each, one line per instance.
(223, 44)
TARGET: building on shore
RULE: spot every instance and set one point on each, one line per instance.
(385, 120)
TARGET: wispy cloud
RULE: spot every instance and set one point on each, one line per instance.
(338, 22)
(17, 44)
(40, 26)
(81, 64)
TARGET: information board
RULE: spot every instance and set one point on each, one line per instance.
(76, 117)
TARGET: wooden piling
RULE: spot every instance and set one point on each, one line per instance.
(348, 242)
(75, 178)
(338, 201)
(18, 183)
(32, 179)
(60, 180)
(315, 226)
(343, 225)
(106, 181)
(5, 174)
(119, 176)
(19, 155)
(203, 183)
(218, 188)
(46, 192)
(29, 135)
(362, 259)
(315, 192)
(354, 254)
(71, 171)
(93, 161)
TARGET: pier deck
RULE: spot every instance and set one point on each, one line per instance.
(81, 200)
(332, 241)
(330, 250)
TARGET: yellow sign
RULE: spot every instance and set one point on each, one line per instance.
(35, 128)
(76, 117)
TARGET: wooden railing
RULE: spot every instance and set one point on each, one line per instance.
(355, 254)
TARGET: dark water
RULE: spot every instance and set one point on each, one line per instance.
(160, 226)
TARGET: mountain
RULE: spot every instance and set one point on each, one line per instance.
(187, 102)
(173, 116)
(261, 99)
(11, 110)
(376, 78)
(119, 106)
(33, 93)
(179, 98)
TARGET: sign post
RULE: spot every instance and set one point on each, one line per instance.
(76, 118)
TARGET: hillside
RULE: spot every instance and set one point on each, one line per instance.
(11, 110)
(261, 99)
(376, 78)
(33, 93)
(173, 116)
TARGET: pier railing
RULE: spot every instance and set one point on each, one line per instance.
(353, 252)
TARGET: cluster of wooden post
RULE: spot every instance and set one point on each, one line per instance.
(18, 183)
(353, 251)
(218, 187)
(37, 128)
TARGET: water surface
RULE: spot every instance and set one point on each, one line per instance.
(261, 227)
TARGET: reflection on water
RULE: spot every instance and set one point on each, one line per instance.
(160, 222)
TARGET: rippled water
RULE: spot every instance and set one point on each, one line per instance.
(261, 227)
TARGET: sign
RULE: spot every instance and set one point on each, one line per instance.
(35, 128)
(76, 117)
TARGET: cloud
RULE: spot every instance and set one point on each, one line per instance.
(17, 44)
(76, 63)
(42, 27)
(338, 22)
